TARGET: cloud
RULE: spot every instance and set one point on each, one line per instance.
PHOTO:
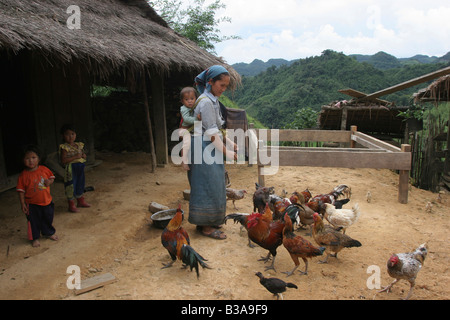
(292, 29)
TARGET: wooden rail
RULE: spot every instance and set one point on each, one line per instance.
(375, 153)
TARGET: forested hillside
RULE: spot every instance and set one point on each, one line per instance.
(274, 96)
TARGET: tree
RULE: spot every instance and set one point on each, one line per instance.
(195, 21)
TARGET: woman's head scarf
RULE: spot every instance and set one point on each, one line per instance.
(201, 81)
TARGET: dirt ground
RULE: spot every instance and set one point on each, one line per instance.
(116, 236)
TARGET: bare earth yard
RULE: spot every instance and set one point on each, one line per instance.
(116, 236)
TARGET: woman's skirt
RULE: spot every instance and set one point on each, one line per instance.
(208, 200)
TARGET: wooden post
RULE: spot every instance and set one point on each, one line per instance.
(403, 182)
(159, 114)
(149, 123)
(354, 129)
(260, 167)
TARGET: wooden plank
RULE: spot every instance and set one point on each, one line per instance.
(371, 142)
(358, 94)
(159, 116)
(304, 135)
(339, 159)
(149, 123)
(95, 282)
(408, 84)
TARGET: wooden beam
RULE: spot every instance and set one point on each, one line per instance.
(371, 142)
(305, 135)
(358, 94)
(407, 84)
(159, 115)
(346, 159)
(149, 123)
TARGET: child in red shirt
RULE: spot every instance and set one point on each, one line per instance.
(35, 199)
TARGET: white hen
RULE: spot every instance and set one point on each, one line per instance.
(343, 218)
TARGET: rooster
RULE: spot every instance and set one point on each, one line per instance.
(298, 247)
(235, 194)
(268, 235)
(330, 238)
(406, 266)
(341, 217)
(176, 240)
(275, 285)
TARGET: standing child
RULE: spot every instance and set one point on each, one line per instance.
(73, 157)
(35, 199)
(188, 97)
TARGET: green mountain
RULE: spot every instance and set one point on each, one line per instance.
(380, 60)
(275, 95)
(257, 66)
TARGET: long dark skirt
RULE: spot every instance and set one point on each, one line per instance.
(208, 200)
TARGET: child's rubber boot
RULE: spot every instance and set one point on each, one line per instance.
(72, 207)
(82, 203)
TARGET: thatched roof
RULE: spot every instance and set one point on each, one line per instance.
(114, 35)
(438, 91)
(370, 118)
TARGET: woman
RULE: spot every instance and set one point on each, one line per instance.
(207, 205)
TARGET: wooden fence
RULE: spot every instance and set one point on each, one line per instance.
(374, 153)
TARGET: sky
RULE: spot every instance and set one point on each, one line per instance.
(294, 29)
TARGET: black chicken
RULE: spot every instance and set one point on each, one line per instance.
(275, 285)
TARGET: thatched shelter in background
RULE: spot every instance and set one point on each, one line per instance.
(379, 119)
(48, 68)
(435, 156)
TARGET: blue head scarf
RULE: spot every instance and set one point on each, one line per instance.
(201, 81)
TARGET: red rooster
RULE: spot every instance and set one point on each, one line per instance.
(268, 235)
(298, 247)
(176, 240)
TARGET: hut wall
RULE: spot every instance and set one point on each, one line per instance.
(36, 100)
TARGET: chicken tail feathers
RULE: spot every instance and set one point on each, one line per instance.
(237, 217)
(353, 243)
(191, 258)
(291, 285)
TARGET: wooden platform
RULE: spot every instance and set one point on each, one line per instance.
(374, 153)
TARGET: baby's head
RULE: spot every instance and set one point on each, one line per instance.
(188, 96)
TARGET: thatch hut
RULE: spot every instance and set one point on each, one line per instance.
(435, 169)
(52, 52)
(380, 120)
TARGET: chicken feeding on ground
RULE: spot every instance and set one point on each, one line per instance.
(406, 266)
(176, 240)
(268, 235)
(341, 217)
(275, 285)
(328, 237)
(298, 247)
(235, 194)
